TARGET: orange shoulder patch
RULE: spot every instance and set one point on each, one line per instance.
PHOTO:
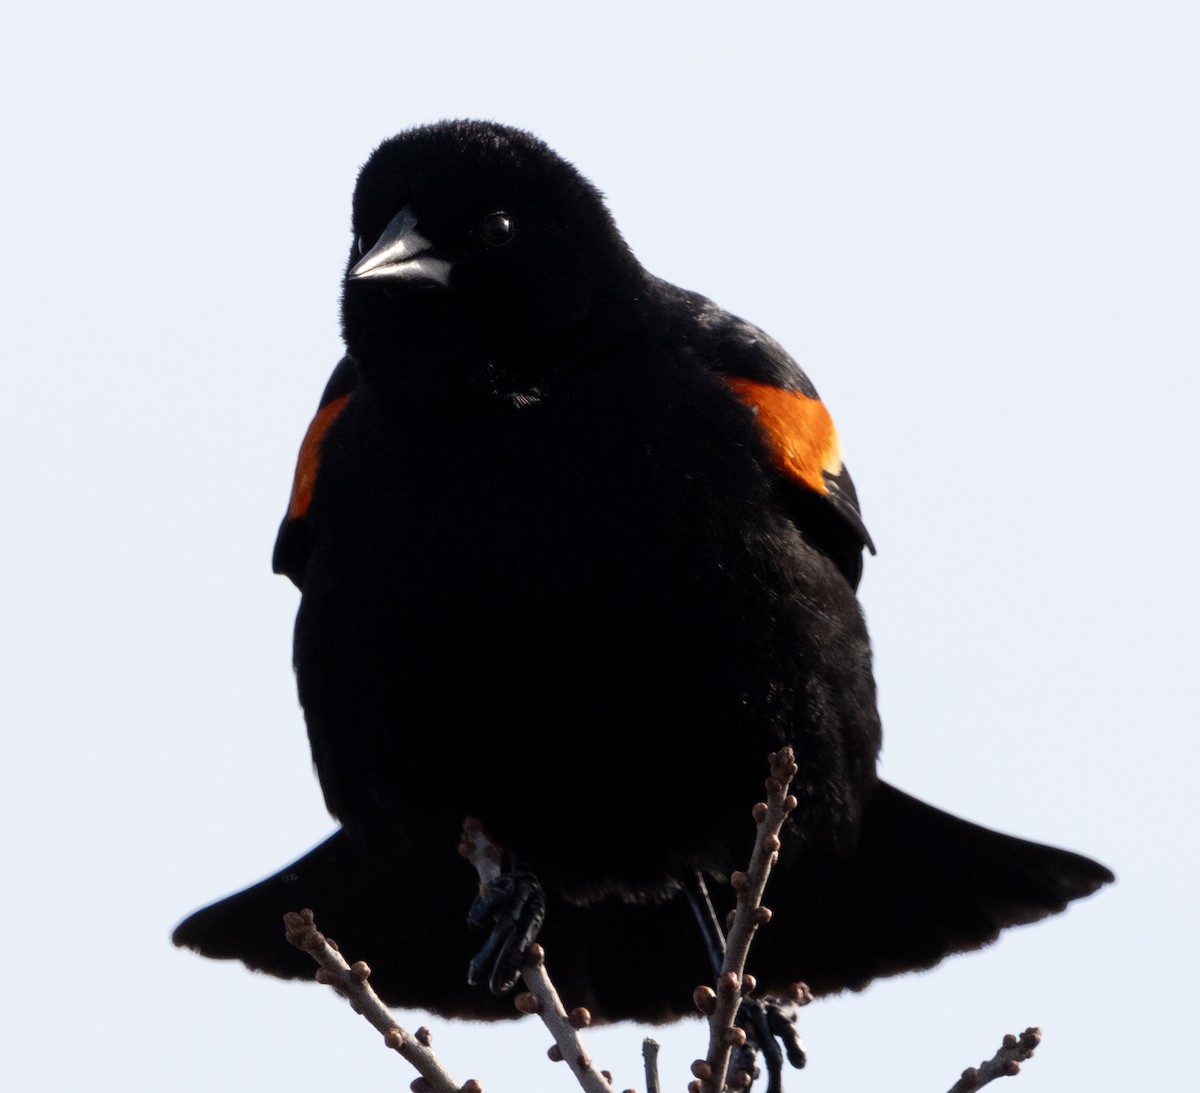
(310, 456)
(801, 433)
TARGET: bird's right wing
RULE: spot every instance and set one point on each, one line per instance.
(292, 542)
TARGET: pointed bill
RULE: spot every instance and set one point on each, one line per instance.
(402, 253)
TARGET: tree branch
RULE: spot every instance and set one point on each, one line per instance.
(1004, 1064)
(351, 981)
(721, 1005)
(540, 996)
(650, 1059)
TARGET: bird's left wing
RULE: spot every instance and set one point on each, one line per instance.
(799, 434)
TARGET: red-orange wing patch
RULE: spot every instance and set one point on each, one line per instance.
(310, 456)
(800, 430)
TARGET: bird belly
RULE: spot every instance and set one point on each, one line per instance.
(592, 648)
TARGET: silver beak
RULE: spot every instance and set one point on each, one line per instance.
(402, 253)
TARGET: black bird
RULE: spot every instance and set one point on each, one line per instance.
(576, 550)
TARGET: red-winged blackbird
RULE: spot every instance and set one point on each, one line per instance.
(577, 550)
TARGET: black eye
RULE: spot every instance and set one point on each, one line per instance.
(360, 245)
(496, 229)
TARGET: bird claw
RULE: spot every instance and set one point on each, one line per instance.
(769, 1023)
(514, 906)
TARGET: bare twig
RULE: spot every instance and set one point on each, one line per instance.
(541, 998)
(351, 981)
(1004, 1064)
(650, 1058)
(721, 1005)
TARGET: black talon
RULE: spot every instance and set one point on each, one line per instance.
(514, 906)
(769, 1022)
(752, 1017)
(781, 1023)
(744, 1059)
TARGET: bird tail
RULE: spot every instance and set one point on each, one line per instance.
(406, 917)
(920, 884)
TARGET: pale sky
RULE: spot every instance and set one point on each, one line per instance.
(974, 224)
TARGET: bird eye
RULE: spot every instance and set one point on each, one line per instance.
(496, 229)
(360, 245)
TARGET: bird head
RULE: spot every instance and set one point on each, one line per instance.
(473, 240)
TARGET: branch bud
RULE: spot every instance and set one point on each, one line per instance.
(527, 1002)
(728, 984)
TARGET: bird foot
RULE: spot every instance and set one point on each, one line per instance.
(770, 1027)
(514, 907)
